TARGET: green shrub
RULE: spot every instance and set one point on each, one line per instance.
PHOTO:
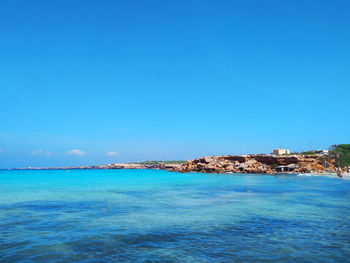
(274, 165)
(309, 152)
(341, 154)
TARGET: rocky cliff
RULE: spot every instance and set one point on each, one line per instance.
(259, 163)
(255, 163)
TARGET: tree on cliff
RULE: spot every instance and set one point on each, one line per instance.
(341, 154)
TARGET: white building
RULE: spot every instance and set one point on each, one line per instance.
(281, 151)
(323, 151)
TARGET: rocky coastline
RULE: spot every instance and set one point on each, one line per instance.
(254, 164)
(259, 163)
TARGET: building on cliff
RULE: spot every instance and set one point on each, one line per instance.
(281, 151)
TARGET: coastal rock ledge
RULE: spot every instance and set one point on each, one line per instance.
(254, 163)
(258, 163)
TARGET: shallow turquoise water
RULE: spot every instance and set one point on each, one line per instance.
(158, 216)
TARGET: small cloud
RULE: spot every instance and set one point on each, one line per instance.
(41, 152)
(38, 152)
(1, 151)
(111, 154)
(76, 152)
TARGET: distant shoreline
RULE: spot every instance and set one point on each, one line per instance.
(253, 164)
(144, 165)
(345, 175)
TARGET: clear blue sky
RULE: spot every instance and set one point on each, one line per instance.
(170, 79)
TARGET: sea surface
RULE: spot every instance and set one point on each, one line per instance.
(159, 216)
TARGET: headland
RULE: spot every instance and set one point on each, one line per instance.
(253, 163)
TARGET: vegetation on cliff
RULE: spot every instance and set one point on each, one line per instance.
(308, 152)
(341, 154)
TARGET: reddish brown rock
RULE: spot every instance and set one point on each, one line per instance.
(260, 163)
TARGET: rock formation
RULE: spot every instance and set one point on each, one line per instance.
(254, 163)
(259, 163)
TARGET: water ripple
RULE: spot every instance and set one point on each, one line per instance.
(154, 217)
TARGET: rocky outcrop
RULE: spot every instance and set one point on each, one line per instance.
(259, 163)
(255, 163)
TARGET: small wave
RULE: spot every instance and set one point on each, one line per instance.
(331, 175)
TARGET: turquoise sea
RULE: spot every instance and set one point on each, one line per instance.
(159, 216)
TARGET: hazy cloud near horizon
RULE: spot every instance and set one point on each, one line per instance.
(76, 152)
(41, 152)
(111, 153)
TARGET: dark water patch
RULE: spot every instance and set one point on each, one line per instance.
(121, 248)
(256, 225)
(274, 239)
(134, 194)
(57, 208)
(257, 239)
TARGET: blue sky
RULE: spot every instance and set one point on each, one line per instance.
(144, 80)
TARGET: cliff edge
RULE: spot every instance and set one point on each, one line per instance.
(258, 163)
